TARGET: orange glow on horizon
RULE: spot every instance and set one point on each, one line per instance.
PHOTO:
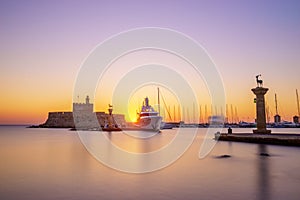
(28, 113)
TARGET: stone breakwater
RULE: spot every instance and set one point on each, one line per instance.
(82, 117)
(83, 120)
(59, 120)
(276, 139)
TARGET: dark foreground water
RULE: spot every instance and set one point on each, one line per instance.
(53, 164)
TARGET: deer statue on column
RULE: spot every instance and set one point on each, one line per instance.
(259, 81)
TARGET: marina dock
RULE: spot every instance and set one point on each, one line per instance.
(275, 139)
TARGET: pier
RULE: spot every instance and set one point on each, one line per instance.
(275, 138)
(261, 135)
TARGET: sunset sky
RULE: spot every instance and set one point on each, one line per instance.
(44, 43)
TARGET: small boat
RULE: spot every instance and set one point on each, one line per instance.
(243, 124)
(148, 118)
(284, 124)
(167, 125)
(109, 129)
(111, 124)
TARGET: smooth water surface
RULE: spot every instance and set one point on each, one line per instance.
(53, 164)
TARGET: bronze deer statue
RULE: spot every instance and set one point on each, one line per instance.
(259, 81)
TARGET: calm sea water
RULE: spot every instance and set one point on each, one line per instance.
(53, 164)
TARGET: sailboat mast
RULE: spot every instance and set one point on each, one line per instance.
(179, 115)
(227, 118)
(188, 115)
(205, 114)
(216, 110)
(200, 114)
(276, 104)
(298, 102)
(174, 113)
(193, 120)
(183, 114)
(158, 101)
(222, 114)
(236, 115)
(169, 112)
(231, 109)
(268, 114)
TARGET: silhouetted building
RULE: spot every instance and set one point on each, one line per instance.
(277, 118)
(86, 107)
(296, 119)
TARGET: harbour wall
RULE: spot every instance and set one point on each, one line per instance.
(275, 139)
(82, 117)
(83, 120)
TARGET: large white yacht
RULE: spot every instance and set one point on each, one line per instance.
(148, 118)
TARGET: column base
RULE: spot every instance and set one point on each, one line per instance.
(263, 131)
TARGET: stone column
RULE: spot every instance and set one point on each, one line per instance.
(260, 110)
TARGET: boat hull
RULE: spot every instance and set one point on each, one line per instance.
(150, 123)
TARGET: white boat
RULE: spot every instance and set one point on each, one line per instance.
(148, 118)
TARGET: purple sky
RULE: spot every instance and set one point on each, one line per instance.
(43, 43)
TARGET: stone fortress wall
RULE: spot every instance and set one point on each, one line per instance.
(59, 120)
(84, 117)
